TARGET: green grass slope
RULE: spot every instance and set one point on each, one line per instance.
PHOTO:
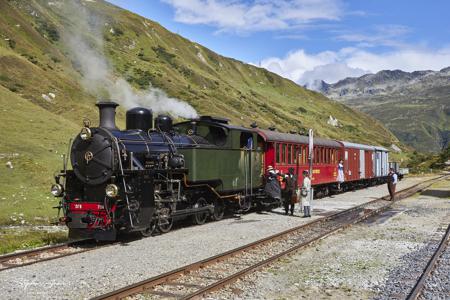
(420, 119)
(35, 127)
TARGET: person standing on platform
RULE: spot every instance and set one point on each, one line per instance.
(306, 194)
(392, 183)
(340, 173)
(272, 186)
(289, 191)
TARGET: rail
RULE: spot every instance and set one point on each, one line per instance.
(155, 286)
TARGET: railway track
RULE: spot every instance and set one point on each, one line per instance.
(33, 256)
(432, 264)
(197, 280)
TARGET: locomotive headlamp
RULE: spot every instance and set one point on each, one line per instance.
(111, 190)
(56, 190)
(85, 133)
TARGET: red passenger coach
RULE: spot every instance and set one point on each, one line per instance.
(284, 151)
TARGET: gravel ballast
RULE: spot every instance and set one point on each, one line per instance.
(102, 270)
(437, 286)
(380, 258)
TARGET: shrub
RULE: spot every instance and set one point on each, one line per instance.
(162, 53)
(301, 110)
(142, 78)
(117, 31)
(48, 30)
(12, 43)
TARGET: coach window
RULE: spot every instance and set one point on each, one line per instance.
(324, 155)
(320, 160)
(294, 154)
(289, 161)
(283, 153)
(297, 155)
(277, 152)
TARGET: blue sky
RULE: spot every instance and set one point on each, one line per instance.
(309, 40)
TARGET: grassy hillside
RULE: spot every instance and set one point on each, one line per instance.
(35, 65)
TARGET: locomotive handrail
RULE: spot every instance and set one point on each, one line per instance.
(123, 180)
(210, 187)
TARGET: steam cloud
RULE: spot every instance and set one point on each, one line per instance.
(85, 44)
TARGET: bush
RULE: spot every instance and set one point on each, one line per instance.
(55, 59)
(12, 43)
(117, 31)
(162, 53)
(301, 110)
(48, 30)
(142, 78)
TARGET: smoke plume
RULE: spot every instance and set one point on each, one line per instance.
(84, 40)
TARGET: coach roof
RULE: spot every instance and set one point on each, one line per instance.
(276, 136)
(357, 146)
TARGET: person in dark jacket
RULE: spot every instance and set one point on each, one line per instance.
(289, 191)
(272, 187)
(392, 183)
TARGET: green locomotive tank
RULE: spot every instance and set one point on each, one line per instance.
(234, 162)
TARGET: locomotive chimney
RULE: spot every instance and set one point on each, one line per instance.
(107, 110)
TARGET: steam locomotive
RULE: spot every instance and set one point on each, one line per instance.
(145, 177)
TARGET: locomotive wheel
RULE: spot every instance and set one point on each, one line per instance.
(200, 217)
(149, 231)
(219, 210)
(165, 225)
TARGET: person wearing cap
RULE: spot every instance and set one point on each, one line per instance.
(392, 183)
(272, 186)
(290, 182)
(306, 194)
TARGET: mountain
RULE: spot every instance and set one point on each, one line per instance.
(414, 106)
(58, 57)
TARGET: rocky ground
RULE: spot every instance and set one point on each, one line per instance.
(380, 258)
(99, 271)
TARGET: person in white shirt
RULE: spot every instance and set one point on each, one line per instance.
(392, 183)
(340, 173)
(306, 194)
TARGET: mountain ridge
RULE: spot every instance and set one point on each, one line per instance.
(414, 105)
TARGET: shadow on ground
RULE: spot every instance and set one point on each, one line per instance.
(437, 193)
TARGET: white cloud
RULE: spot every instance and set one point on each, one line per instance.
(256, 15)
(332, 66)
(386, 35)
(329, 73)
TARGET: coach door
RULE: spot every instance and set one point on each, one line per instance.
(362, 164)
